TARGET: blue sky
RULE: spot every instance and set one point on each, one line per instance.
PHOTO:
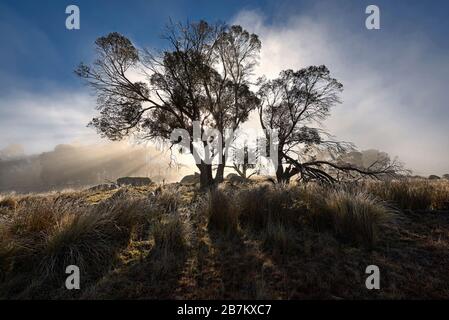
(395, 78)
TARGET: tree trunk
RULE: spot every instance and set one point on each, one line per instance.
(206, 179)
(219, 175)
(282, 175)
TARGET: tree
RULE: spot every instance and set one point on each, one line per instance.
(292, 104)
(202, 77)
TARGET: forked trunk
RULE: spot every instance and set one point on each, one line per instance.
(282, 176)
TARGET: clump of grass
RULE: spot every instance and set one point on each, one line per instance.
(263, 204)
(273, 212)
(221, 212)
(8, 203)
(46, 235)
(356, 216)
(167, 198)
(279, 238)
(91, 239)
(440, 195)
(85, 240)
(170, 246)
(406, 194)
(170, 236)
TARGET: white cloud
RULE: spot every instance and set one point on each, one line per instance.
(40, 121)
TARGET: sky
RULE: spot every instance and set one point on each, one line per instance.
(395, 78)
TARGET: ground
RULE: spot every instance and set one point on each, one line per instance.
(170, 248)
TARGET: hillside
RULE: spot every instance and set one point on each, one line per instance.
(242, 241)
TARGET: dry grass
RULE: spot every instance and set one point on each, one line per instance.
(167, 198)
(44, 235)
(261, 205)
(279, 238)
(7, 203)
(221, 212)
(170, 236)
(358, 216)
(413, 194)
(281, 241)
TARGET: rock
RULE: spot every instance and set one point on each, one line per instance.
(134, 181)
(446, 176)
(190, 179)
(264, 179)
(434, 177)
(235, 178)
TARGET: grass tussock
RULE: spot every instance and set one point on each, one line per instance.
(221, 212)
(261, 205)
(413, 194)
(45, 235)
(273, 213)
(357, 216)
(170, 236)
(353, 215)
(7, 203)
(279, 238)
(168, 199)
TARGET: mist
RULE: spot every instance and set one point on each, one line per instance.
(77, 166)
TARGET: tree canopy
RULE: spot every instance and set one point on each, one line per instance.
(204, 77)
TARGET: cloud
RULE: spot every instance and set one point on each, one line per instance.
(394, 98)
(39, 121)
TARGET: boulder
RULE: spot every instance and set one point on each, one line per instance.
(446, 176)
(190, 179)
(235, 178)
(434, 177)
(134, 181)
(264, 179)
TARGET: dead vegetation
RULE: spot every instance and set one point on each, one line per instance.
(249, 241)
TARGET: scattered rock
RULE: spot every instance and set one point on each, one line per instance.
(190, 179)
(264, 179)
(235, 178)
(134, 181)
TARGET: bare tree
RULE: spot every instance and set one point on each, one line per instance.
(203, 76)
(293, 103)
